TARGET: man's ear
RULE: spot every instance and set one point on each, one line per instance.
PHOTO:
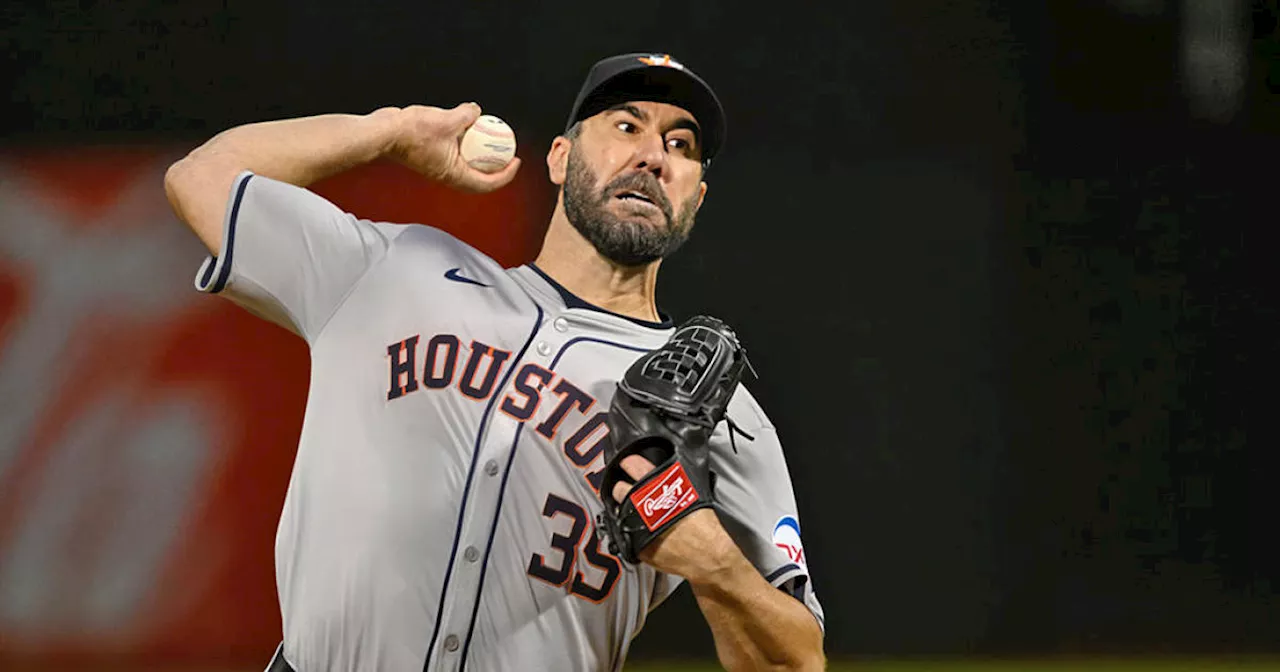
(702, 194)
(558, 159)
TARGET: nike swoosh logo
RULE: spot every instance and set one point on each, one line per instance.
(452, 274)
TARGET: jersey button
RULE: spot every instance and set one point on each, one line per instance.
(561, 324)
(471, 554)
(491, 467)
(451, 643)
(544, 348)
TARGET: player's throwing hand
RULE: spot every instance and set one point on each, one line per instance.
(428, 140)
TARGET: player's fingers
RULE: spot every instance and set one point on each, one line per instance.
(636, 467)
(463, 116)
(482, 182)
(503, 177)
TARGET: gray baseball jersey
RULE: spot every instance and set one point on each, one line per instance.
(441, 511)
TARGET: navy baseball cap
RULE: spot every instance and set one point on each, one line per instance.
(657, 78)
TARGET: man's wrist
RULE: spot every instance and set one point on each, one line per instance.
(386, 130)
(720, 567)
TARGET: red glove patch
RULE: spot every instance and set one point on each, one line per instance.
(664, 497)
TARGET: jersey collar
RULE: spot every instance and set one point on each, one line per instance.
(572, 300)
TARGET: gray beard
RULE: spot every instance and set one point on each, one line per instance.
(623, 242)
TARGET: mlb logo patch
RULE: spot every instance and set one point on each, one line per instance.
(786, 536)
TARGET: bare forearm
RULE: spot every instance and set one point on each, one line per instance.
(757, 626)
(304, 150)
(297, 151)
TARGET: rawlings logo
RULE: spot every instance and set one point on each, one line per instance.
(665, 500)
(664, 497)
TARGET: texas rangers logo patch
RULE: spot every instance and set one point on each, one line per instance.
(664, 497)
(786, 535)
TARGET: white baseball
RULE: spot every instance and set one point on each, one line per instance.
(489, 145)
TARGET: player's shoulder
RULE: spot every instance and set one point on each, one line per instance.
(415, 238)
(748, 442)
(745, 411)
(424, 242)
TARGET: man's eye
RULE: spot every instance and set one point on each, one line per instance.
(678, 143)
(626, 127)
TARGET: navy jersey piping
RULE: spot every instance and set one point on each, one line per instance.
(780, 571)
(493, 530)
(502, 491)
(592, 339)
(466, 491)
(225, 272)
(572, 300)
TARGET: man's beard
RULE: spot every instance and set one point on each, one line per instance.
(624, 242)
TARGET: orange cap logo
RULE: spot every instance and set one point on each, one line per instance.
(663, 60)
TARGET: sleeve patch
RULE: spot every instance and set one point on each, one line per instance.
(786, 536)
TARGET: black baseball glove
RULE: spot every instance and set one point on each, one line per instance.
(665, 409)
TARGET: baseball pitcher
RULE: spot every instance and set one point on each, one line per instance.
(507, 469)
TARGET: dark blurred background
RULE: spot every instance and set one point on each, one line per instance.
(1001, 267)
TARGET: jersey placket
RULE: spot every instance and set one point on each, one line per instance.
(493, 469)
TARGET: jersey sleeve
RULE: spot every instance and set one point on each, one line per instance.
(756, 500)
(290, 256)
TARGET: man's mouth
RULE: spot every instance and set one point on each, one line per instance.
(633, 195)
(638, 199)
